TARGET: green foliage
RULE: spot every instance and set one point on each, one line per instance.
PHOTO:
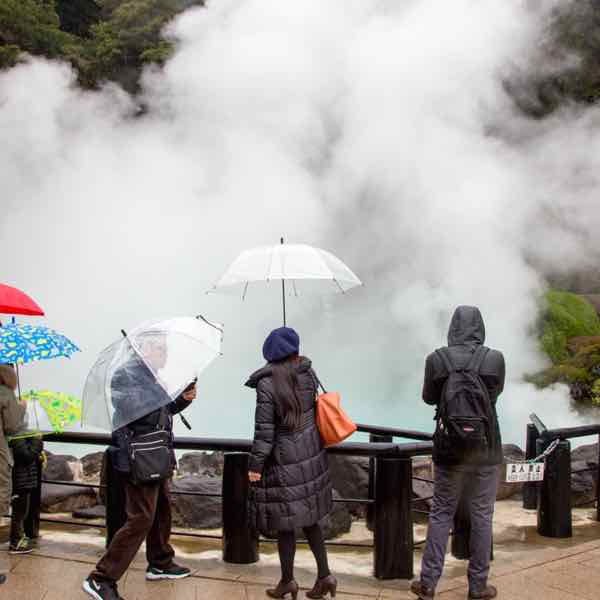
(576, 362)
(130, 37)
(103, 39)
(77, 16)
(33, 26)
(565, 316)
(560, 374)
(595, 397)
(9, 55)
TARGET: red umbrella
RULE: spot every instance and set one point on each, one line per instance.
(16, 302)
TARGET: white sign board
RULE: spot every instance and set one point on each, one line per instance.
(518, 472)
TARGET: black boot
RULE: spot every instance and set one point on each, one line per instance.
(322, 587)
(283, 589)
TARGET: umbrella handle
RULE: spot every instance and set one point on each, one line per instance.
(283, 293)
(185, 421)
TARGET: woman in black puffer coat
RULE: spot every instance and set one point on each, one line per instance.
(288, 466)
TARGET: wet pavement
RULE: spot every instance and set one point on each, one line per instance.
(526, 566)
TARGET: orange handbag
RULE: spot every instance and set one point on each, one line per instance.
(333, 422)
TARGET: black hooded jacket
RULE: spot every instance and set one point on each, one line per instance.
(295, 489)
(466, 333)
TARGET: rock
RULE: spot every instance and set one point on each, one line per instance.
(201, 463)
(60, 467)
(350, 477)
(92, 465)
(196, 512)
(422, 490)
(65, 498)
(587, 453)
(583, 485)
(95, 512)
(512, 454)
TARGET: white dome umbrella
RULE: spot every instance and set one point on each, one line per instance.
(148, 368)
(288, 262)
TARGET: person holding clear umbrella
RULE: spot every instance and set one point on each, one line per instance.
(147, 507)
(135, 387)
(12, 414)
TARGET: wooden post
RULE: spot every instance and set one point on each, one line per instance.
(394, 545)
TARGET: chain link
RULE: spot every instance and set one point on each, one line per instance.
(549, 450)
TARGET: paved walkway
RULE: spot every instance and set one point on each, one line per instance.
(526, 567)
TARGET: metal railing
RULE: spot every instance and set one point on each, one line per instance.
(389, 502)
(553, 496)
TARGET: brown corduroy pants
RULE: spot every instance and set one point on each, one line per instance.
(148, 518)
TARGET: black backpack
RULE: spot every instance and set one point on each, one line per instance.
(465, 421)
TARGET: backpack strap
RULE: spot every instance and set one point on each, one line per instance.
(477, 359)
(446, 359)
(162, 419)
(317, 381)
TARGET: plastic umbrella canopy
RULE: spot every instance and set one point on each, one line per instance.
(148, 368)
(298, 263)
(49, 412)
(16, 302)
(22, 343)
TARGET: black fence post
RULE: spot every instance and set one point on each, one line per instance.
(240, 541)
(114, 498)
(383, 439)
(530, 489)
(32, 520)
(554, 508)
(598, 484)
(393, 534)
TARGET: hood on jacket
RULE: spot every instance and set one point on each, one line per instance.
(267, 371)
(466, 327)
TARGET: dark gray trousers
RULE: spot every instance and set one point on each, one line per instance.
(450, 484)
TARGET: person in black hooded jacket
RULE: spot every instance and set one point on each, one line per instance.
(474, 476)
(288, 464)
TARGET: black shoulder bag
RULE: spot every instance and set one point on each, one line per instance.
(150, 454)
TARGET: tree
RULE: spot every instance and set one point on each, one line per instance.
(33, 26)
(102, 39)
(77, 16)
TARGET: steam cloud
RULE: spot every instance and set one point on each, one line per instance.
(379, 130)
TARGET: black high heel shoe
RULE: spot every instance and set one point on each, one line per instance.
(324, 586)
(283, 589)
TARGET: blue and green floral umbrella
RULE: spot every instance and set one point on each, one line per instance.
(22, 343)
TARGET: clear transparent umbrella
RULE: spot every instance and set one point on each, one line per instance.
(148, 368)
(296, 264)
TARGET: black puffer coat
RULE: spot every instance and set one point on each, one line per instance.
(465, 335)
(26, 452)
(295, 490)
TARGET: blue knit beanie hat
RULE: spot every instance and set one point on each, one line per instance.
(280, 344)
